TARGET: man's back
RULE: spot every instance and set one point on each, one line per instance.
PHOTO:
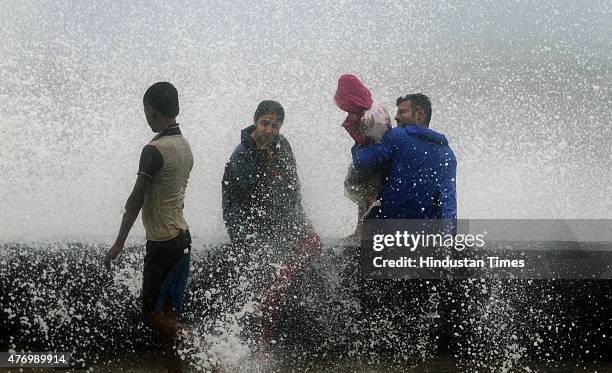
(421, 179)
(162, 212)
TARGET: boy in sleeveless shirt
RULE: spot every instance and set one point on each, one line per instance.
(165, 165)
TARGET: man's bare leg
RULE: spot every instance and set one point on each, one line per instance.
(167, 326)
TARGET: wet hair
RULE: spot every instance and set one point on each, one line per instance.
(417, 100)
(270, 107)
(163, 97)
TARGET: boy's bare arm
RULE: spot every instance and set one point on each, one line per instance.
(132, 209)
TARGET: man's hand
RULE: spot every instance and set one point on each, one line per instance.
(112, 254)
(263, 142)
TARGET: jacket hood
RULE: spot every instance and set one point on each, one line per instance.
(351, 95)
(426, 134)
(245, 136)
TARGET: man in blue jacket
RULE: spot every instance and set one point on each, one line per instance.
(420, 183)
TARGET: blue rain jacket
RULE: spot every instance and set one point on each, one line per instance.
(420, 183)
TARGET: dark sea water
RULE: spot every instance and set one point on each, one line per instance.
(57, 297)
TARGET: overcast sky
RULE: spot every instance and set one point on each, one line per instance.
(521, 88)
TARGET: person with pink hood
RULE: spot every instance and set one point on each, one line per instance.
(366, 123)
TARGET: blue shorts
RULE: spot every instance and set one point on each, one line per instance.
(166, 269)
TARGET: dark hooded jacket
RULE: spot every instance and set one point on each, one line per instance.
(261, 196)
(421, 179)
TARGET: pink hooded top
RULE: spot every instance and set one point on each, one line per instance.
(356, 99)
(352, 96)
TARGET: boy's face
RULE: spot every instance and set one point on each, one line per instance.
(267, 128)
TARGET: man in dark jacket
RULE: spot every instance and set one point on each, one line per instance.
(421, 180)
(262, 208)
(260, 187)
